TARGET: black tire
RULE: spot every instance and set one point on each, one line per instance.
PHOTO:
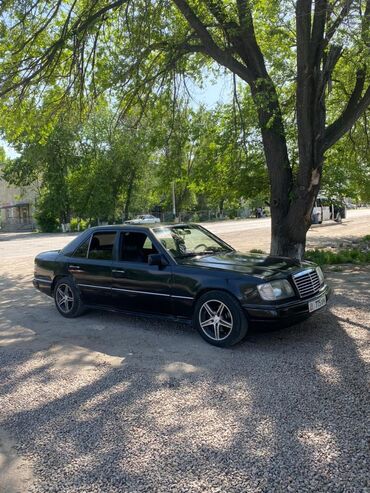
(338, 217)
(220, 307)
(72, 306)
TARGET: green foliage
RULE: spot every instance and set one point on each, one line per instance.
(347, 256)
(92, 102)
(46, 220)
(77, 224)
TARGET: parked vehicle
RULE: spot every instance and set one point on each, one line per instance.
(179, 271)
(144, 219)
(328, 209)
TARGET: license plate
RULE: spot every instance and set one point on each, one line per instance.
(319, 303)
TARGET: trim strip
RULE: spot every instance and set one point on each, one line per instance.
(93, 286)
(134, 291)
(182, 297)
(141, 292)
(38, 279)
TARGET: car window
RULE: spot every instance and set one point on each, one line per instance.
(101, 246)
(81, 251)
(184, 241)
(135, 247)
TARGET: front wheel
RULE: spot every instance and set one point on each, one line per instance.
(67, 298)
(219, 319)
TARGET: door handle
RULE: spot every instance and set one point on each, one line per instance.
(120, 272)
(75, 268)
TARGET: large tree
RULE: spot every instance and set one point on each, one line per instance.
(281, 50)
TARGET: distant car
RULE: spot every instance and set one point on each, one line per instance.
(144, 219)
(181, 272)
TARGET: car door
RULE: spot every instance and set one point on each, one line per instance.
(136, 285)
(91, 268)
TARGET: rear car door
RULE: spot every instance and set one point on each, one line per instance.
(136, 285)
(91, 268)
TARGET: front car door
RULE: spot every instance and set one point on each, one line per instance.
(136, 285)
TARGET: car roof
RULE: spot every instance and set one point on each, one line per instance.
(123, 227)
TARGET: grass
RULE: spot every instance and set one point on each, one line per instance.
(349, 256)
(355, 255)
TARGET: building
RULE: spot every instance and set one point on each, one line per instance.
(17, 208)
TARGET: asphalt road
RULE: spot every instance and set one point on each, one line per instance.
(113, 404)
(243, 235)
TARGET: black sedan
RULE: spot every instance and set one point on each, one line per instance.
(181, 272)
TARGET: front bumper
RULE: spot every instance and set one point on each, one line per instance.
(289, 311)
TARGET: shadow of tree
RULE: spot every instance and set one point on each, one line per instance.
(111, 403)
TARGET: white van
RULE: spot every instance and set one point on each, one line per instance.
(325, 210)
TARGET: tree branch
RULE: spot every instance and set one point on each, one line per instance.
(210, 46)
(332, 28)
(45, 61)
(318, 29)
(252, 51)
(355, 107)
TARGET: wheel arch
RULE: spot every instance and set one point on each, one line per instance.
(56, 279)
(214, 288)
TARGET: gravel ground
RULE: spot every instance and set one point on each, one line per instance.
(108, 403)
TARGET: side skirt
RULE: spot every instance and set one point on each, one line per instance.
(153, 316)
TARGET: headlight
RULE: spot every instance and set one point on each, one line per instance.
(275, 290)
(320, 274)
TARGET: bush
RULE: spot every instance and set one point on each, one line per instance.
(46, 221)
(347, 256)
(78, 224)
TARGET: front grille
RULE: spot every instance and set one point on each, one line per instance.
(307, 282)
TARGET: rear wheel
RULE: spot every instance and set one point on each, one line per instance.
(219, 319)
(67, 298)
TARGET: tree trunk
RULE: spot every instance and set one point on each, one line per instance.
(129, 195)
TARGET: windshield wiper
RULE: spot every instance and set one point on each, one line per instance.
(204, 252)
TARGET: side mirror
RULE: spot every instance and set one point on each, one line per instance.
(157, 259)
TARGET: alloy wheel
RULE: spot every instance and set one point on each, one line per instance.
(64, 298)
(215, 320)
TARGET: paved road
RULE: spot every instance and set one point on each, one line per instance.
(255, 233)
(242, 235)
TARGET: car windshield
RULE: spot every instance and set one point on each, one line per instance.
(189, 241)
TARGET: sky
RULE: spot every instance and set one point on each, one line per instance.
(215, 90)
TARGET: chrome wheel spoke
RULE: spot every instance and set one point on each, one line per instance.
(210, 321)
(220, 309)
(225, 323)
(216, 320)
(64, 298)
(60, 292)
(217, 332)
(209, 310)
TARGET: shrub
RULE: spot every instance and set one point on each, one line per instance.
(347, 256)
(78, 224)
(46, 221)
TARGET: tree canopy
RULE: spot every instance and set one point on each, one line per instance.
(305, 64)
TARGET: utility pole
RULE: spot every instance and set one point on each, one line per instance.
(173, 201)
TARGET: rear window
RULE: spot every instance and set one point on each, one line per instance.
(101, 246)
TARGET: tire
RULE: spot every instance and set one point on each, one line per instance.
(215, 307)
(72, 306)
(338, 217)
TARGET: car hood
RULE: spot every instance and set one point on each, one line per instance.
(262, 266)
